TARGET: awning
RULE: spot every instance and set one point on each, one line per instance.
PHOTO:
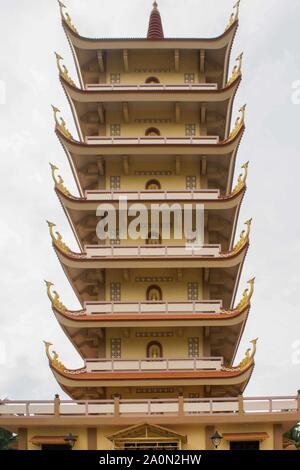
(49, 440)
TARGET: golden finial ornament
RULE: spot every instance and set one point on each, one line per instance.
(247, 360)
(61, 123)
(66, 17)
(241, 182)
(240, 121)
(244, 237)
(235, 14)
(237, 69)
(63, 71)
(58, 181)
(57, 239)
(246, 297)
(54, 298)
(249, 356)
(53, 357)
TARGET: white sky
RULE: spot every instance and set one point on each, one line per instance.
(29, 33)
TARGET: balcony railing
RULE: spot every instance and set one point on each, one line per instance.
(150, 195)
(153, 87)
(148, 307)
(162, 407)
(152, 365)
(142, 251)
(152, 140)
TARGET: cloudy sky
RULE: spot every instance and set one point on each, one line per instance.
(30, 33)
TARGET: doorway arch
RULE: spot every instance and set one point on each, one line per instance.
(154, 294)
(154, 350)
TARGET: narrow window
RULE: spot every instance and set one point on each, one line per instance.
(193, 291)
(193, 347)
(115, 292)
(115, 348)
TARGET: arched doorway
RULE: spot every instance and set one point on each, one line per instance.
(152, 131)
(153, 185)
(154, 294)
(152, 80)
(154, 350)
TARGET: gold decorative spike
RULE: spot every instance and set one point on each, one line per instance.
(249, 356)
(66, 17)
(57, 239)
(244, 237)
(235, 14)
(54, 359)
(63, 71)
(54, 298)
(240, 120)
(237, 69)
(61, 125)
(246, 361)
(241, 182)
(59, 182)
(247, 295)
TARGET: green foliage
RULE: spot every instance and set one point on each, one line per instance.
(6, 439)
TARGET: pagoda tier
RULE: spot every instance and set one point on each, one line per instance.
(207, 58)
(86, 271)
(220, 212)
(96, 110)
(88, 328)
(99, 378)
(91, 162)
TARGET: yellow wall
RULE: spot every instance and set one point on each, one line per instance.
(135, 347)
(133, 291)
(150, 60)
(195, 435)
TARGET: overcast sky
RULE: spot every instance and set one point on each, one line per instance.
(30, 33)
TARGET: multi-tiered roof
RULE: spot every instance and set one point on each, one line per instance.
(220, 260)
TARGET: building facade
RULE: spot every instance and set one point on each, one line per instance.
(159, 326)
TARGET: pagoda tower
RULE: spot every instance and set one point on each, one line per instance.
(159, 325)
(153, 117)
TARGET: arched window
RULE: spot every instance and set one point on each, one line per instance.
(152, 80)
(154, 294)
(154, 350)
(153, 184)
(152, 131)
(153, 239)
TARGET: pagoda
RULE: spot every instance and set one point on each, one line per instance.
(159, 325)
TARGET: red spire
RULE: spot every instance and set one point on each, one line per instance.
(155, 30)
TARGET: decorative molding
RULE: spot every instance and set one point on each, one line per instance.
(154, 334)
(153, 121)
(244, 237)
(237, 69)
(54, 298)
(57, 238)
(247, 360)
(155, 390)
(66, 17)
(153, 173)
(154, 279)
(241, 182)
(61, 125)
(240, 121)
(59, 182)
(155, 70)
(235, 15)
(63, 71)
(246, 297)
(54, 358)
